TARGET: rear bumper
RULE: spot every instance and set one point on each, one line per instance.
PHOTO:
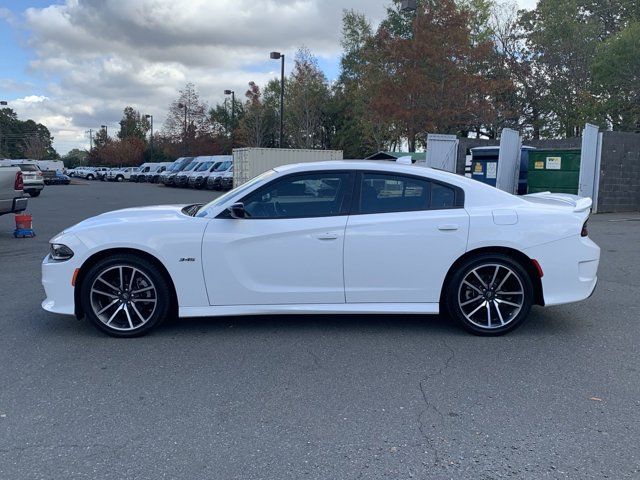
(570, 269)
(33, 187)
(19, 205)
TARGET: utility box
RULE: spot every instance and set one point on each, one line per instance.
(484, 166)
(251, 162)
(555, 171)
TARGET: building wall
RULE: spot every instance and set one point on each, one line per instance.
(619, 189)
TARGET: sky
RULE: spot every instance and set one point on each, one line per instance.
(75, 64)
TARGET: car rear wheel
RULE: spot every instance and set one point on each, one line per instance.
(125, 295)
(34, 193)
(90, 177)
(490, 294)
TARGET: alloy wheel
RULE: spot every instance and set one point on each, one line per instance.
(491, 296)
(123, 298)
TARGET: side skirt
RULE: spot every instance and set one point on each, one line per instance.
(301, 309)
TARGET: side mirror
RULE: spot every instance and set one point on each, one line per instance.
(237, 210)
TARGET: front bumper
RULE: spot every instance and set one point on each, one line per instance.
(56, 280)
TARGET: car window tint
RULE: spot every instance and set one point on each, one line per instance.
(382, 193)
(442, 196)
(25, 167)
(308, 195)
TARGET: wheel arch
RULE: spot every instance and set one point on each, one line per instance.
(526, 262)
(96, 257)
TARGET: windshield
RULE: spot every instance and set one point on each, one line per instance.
(191, 166)
(236, 192)
(223, 166)
(214, 167)
(204, 166)
(27, 167)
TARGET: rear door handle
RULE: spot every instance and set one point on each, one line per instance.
(447, 227)
(327, 236)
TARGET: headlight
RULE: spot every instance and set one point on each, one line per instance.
(60, 252)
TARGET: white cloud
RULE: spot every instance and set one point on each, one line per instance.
(102, 55)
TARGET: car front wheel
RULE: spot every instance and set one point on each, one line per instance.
(125, 295)
(490, 294)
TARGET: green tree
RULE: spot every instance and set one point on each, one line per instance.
(616, 72)
(133, 125)
(75, 158)
(24, 139)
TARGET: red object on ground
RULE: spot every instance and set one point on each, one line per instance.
(24, 221)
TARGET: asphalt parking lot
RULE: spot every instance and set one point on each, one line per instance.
(317, 397)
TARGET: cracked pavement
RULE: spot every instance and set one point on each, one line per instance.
(317, 397)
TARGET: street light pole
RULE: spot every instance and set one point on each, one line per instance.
(233, 114)
(184, 137)
(3, 103)
(150, 117)
(280, 56)
(106, 132)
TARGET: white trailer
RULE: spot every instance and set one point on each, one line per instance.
(251, 162)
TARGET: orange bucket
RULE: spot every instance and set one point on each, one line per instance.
(24, 222)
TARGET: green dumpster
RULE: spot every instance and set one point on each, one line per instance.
(554, 171)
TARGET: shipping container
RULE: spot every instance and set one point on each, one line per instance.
(484, 165)
(555, 171)
(251, 162)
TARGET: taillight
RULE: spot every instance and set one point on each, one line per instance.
(585, 230)
(19, 183)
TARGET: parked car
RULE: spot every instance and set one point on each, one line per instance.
(58, 179)
(329, 237)
(168, 176)
(198, 178)
(32, 178)
(215, 178)
(101, 173)
(11, 189)
(88, 173)
(182, 178)
(144, 168)
(154, 173)
(226, 179)
(121, 174)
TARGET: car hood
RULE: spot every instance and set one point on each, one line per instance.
(157, 213)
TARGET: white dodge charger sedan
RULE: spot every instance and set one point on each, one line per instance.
(329, 237)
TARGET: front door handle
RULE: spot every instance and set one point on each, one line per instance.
(327, 236)
(448, 227)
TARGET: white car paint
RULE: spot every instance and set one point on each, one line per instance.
(375, 263)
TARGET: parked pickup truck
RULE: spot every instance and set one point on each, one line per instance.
(11, 185)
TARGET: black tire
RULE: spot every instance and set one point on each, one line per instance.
(119, 178)
(489, 295)
(150, 271)
(90, 177)
(35, 193)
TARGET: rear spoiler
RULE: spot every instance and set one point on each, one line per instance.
(579, 204)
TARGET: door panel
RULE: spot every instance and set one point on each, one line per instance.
(274, 261)
(402, 256)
